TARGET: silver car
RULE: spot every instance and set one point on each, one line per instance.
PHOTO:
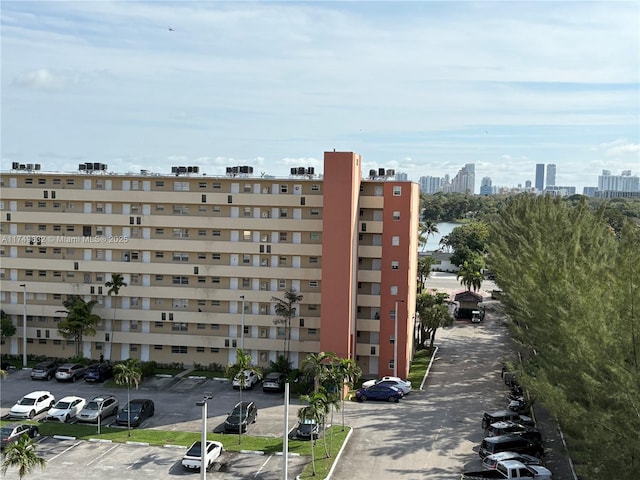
(99, 407)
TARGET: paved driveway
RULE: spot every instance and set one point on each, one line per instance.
(433, 434)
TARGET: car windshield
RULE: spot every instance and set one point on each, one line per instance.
(62, 405)
(92, 406)
(27, 401)
(195, 450)
(133, 407)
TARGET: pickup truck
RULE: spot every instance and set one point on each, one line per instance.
(510, 470)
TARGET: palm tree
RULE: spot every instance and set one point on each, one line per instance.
(128, 373)
(316, 411)
(114, 286)
(470, 275)
(22, 454)
(349, 370)
(243, 362)
(286, 310)
(334, 390)
(80, 321)
(425, 230)
(315, 364)
(424, 270)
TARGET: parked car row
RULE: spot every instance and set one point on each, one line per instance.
(77, 408)
(391, 389)
(71, 372)
(512, 448)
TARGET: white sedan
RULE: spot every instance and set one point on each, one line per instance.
(193, 458)
(32, 404)
(402, 385)
(66, 409)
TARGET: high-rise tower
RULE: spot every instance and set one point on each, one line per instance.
(539, 176)
(551, 175)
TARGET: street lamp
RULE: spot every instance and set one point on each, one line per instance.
(395, 341)
(24, 325)
(203, 440)
(242, 331)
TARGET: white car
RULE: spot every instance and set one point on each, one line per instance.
(250, 379)
(193, 458)
(402, 385)
(32, 404)
(66, 409)
(490, 462)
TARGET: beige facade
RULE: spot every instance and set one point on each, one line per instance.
(189, 247)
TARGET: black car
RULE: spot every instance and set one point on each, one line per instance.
(510, 443)
(242, 415)
(44, 371)
(138, 409)
(505, 416)
(307, 428)
(11, 433)
(98, 372)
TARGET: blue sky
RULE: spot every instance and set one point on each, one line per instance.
(420, 87)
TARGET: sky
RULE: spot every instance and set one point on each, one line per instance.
(421, 87)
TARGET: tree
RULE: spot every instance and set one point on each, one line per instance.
(571, 292)
(433, 312)
(470, 273)
(281, 364)
(80, 321)
(128, 373)
(243, 362)
(7, 328)
(465, 241)
(314, 412)
(316, 365)
(349, 372)
(424, 271)
(114, 285)
(22, 455)
(285, 310)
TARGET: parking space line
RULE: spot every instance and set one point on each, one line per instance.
(64, 451)
(99, 457)
(263, 465)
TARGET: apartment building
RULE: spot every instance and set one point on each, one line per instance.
(195, 249)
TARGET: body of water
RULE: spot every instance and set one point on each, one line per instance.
(445, 228)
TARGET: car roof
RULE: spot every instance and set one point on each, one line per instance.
(274, 375)
(37, 393)
(139, 400)
(244, 404)
(102, 398)
(70, 398)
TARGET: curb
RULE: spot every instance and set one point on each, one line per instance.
(335, 462)
(141, 444)
(288, 455)
(426, 374)
(100, 440)
(174, 446)
(63, 437)
(253, 452)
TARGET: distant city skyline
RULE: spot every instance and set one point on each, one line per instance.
(419, 87)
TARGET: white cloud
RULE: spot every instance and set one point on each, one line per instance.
(41, 79)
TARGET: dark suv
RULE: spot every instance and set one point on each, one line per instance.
(98, 372)
(510, 443)
(242, 415)
(44, 371)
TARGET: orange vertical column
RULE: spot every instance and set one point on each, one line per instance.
(341, 189)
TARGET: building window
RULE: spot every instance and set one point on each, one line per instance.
(246, 235)
(284, 188)
(315, 212)
(313, 259)
(157, 347)
(313, 284)
(182, 349)
(180, 280)
(246, 283)
(315, 188)
(314, 236)
(395, 240)
(246, 259)
(215, 233)
(394, 264)
(282, 236)
(180, 233)
(180, 257)
(393, 290)
(313, 332)
(282, 284)
(283, 213)
(396, 215)
(179, 327)
(159, 208)
(246, 211)
(215, 279)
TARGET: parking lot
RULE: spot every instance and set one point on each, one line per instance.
(72, 459)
